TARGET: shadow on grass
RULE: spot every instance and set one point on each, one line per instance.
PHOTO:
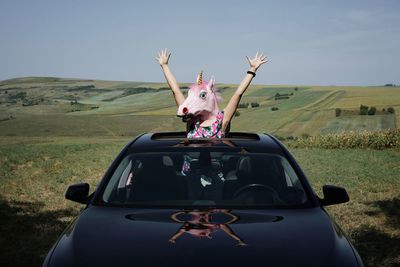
(27, 231)
(376, 247)
(391, 209)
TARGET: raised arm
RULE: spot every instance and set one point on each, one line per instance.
(163, 58)
(230, 109)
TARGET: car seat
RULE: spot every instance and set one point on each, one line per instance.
(241, 177)
(157, 181)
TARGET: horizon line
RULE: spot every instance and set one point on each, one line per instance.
(158, 82)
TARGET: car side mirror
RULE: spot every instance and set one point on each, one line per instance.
(78, 193)
(334, 195)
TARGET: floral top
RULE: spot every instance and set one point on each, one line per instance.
(212, 131)
(197, 131)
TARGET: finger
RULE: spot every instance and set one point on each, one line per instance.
(264, 58)
(159, 54)
(169, 56)
(157, 59)
(257, 54)
(263, 62)
(248, 59)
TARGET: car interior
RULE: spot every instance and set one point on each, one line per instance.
(209, 178)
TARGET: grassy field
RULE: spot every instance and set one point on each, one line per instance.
(372, 178)
(36, 172)
(47, 143)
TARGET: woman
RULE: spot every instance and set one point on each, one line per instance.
(200, 109)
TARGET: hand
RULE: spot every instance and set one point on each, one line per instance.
(163, 57)
(257, 61)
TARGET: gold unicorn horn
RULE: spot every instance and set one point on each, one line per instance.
(200, 78)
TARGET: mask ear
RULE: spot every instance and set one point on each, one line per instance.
(210, 85)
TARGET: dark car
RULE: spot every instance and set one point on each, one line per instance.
(171, 201)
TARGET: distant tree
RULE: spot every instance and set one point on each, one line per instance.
(243, 105)
(19, 95)
(338, 111)
(390, 110)
(372, 111)
(363, 110)
(281, 96)
(274, 108)
(237, 113)
(296, 89)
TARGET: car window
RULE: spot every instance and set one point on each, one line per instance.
(205, 178)
(292, 179)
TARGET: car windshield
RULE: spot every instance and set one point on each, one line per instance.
(204, 178)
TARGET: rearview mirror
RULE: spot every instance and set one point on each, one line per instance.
(334, 195)
(78, 193)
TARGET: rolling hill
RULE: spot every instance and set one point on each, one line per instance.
(50, 106)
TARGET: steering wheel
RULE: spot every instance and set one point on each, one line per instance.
(249, 187)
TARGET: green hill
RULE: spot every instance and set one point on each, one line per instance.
(51, 106)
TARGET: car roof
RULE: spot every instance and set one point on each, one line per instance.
(177, 141)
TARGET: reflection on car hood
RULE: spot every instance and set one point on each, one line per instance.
(105, 236)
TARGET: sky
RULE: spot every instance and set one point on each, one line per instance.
(307, 42)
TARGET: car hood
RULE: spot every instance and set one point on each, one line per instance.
(108, 236)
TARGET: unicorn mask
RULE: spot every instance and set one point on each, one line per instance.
(202, 100)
